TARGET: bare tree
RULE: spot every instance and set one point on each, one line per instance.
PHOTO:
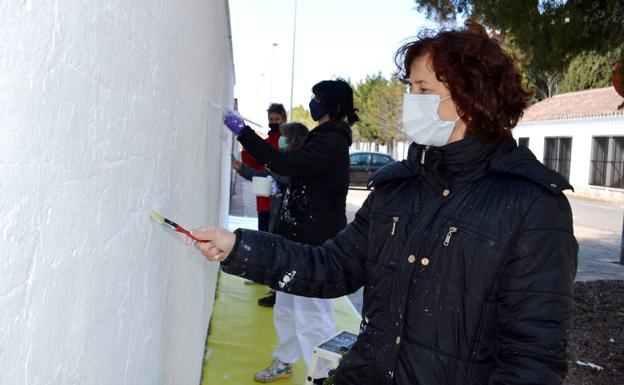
(547, 85)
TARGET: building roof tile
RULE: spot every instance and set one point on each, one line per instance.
(599, 102)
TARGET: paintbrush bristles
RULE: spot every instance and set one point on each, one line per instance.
(157, 217)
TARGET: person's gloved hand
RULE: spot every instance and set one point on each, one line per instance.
(234, 122)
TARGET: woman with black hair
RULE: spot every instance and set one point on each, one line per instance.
(312, 212)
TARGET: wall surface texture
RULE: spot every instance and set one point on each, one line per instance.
(105, 113)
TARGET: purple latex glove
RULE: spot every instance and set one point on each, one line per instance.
(233, 121)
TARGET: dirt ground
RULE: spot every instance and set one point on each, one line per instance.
(597, 336)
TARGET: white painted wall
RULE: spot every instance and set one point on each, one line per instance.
(104, 114)
(581, 131)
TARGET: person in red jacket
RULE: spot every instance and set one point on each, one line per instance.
(276, 115)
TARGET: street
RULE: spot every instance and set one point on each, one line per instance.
(597, 215)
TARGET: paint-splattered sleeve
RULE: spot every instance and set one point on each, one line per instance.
(332, 270)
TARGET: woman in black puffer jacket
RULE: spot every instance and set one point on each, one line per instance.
(465, 250)
(313, 211)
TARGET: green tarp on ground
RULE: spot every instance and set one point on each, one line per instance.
(242, 337)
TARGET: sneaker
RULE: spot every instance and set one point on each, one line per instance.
(268, 300)
(319, 381)
(274, 372)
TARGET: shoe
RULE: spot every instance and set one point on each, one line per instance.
(319, 381)
(275, 371)
(268, 300)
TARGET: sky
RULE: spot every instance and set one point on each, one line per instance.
(349, 39)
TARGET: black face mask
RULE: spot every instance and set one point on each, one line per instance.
(274, 126)
(317, 110)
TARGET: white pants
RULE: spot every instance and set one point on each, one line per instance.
(301, 323)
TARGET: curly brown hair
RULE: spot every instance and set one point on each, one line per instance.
(484, 81)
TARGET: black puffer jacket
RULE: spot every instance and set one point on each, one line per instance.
(313, 209)
(467, 257)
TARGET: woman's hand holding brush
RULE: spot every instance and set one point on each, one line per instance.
(218, 242)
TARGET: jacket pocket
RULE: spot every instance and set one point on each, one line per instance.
(484, 346)
(463, 255)
(459, 229)
(384, 230)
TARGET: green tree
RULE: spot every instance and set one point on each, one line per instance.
(550, 33)
(589, 70)
(366, 128)
(302, 115)
(380, 103)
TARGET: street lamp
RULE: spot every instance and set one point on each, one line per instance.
(271, 79)
(292, 71)
(622, 245)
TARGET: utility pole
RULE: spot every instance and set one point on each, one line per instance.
(622, 245)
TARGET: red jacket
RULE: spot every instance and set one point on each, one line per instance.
(262, 203)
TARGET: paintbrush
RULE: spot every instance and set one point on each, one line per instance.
(217, 106)
(164, 221)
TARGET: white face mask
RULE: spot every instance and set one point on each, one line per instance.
(421, 121)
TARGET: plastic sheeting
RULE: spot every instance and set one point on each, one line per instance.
(242, 336)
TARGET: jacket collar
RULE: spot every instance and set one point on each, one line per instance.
(468, 160)
(520, 161)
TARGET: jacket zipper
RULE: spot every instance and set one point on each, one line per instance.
(424, 153)
(452, 230)
(395, 220)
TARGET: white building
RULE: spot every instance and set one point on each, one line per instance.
(581, 135)
(106, 112)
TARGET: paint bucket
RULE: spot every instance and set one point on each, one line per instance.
(261, 186)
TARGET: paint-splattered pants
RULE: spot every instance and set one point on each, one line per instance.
(302, 323)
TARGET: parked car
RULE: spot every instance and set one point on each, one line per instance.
(364, 164)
